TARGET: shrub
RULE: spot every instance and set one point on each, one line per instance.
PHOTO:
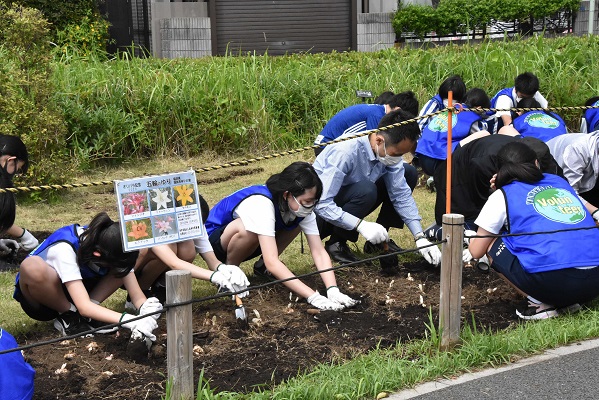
(26, 107)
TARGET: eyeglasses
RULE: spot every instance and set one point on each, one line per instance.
(311, 205)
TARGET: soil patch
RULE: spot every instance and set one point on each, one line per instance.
(283, 338)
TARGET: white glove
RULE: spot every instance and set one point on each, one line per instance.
(28, 241)
(431, 254)
(221, 279)
(595, 215)
(149, 306)
(335, 295)
(468, 233)
(145, 325)
(373, 232)
(466, 256)
(7, 246)
(322, 303)
(236, 276)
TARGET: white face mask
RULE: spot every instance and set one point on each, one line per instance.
(302, 211)
(389, 161)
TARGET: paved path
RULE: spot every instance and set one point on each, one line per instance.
(569, 372)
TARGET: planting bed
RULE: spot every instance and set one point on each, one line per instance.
(283, 338)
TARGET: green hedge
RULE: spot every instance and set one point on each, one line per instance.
(461, 16)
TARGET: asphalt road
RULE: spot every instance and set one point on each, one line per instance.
(569, 372)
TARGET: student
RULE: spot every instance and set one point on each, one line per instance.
(578, 155)
(440, 101)
(543, 125)
(360, 174)
(525, 85)
(14, 159)
(153, 262)
(432, 145)
(264, 219)
(74, 270)
(590, 117)
(542, 266)
(363, 117)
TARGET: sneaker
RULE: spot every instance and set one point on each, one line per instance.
(340, 252)
(261, 271)
(370, 248)
(70, 323)
(537, 311)
(430, 184)
(100, 324)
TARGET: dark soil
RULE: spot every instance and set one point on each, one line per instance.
(283, 338)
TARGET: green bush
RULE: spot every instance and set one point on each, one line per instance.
(86, 37)
(26, 107)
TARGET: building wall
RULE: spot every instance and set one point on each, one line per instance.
(581, 26)
(375, 32)
(185, 37)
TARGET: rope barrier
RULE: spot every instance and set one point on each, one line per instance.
(456, 108)
(213, 297)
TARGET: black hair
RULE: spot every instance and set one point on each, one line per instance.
(407, 101)
(526, 83)
(8, 210)
(516, 161)
(477, 97)
(591, 101)
(396, 134)
(455, 84)
(204, 209)
(383, 98)
(546, 161)
(103, 235)
(14, 146)
(529, 102)
(295, 179)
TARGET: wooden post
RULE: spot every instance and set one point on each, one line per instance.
(179, 341)
(450, 306)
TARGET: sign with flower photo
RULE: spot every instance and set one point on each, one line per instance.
(159, 209)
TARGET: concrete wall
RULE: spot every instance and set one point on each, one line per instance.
(183, 17)
(375, 32)
(581, 26)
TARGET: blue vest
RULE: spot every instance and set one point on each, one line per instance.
(16, 375)
(592, 118)
(433, 142)
(540, 124)
(66, 234)
(509, 92)
(353, 119)
(222, 213)
(439, 103)
(548, 205)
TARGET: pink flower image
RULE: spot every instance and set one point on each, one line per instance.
(164, 225)
(134, 203)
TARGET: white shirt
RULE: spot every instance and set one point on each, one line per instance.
(63, 259)
(508, 102)
(493, 216)
(258, 215)
(577, 154)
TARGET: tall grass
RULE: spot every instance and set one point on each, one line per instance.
(251, 104)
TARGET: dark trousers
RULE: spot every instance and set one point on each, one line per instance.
(592, 196)
(360, 200)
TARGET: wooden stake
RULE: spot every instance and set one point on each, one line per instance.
(450, 307)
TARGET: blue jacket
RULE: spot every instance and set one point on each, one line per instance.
(592, 118)
(498, 123)
(549, 205)
(540, 124)
(222, 213)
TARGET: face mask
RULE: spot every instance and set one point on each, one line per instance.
(302, 211)
(5, 176)
(387, 160)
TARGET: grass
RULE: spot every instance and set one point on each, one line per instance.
(381, 370)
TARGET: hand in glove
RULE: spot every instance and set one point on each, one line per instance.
(7, 246)
(322, 303)
(467, 236)
(145, 325)
(595, 216)
(28, 241)
(335, 295)
(236, 276)
(373, 232)
(149, 306)
(431, 254)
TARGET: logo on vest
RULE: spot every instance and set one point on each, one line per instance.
(439, 123)
(556, 204)
(541, 120)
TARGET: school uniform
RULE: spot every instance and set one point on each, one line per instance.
(505, 99)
